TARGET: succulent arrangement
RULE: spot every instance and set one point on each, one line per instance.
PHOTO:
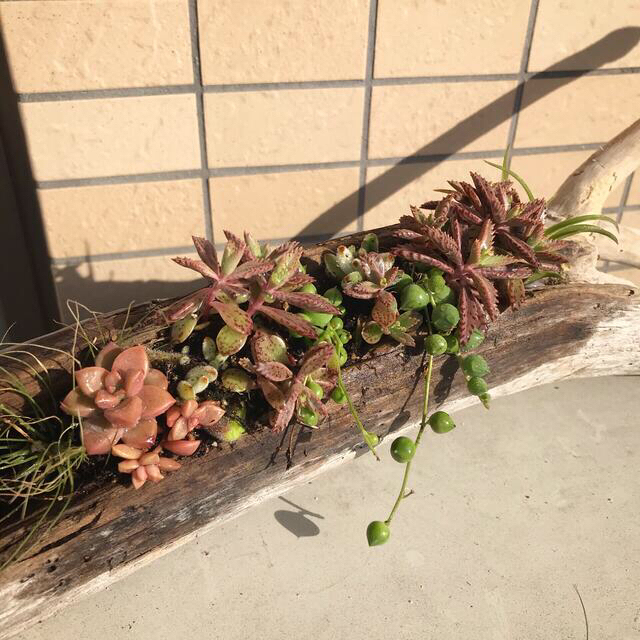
(258, 345)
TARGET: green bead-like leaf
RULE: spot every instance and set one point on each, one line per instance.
(475, 366)
(378, 533)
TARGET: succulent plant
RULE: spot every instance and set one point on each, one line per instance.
(143, 465)
(182, 419)
(366, 274)
(269, 285)
(387, 320)
(285, 390)
(229, 278)
(518, 227)
(118, 398)
(466, 259)
(363, 273)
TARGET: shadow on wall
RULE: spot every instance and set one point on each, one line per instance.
(78, 280)
(101, 295)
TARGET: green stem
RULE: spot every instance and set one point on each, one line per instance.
(366, 436)
(423, 425)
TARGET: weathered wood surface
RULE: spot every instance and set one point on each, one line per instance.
(569, 330)
(579, 329)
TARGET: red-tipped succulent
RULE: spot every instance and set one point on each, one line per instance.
(143, 465)
(268, 284)
(285, 390)
(229, 278)
(118, 398)
(466, 257)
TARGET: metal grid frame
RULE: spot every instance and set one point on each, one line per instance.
(363, 163)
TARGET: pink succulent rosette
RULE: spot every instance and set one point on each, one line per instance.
(118, 399)
(143, 465)
(183, 419)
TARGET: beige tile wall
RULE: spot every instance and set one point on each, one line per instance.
(150, 121)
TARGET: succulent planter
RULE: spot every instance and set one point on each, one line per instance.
(584, 327)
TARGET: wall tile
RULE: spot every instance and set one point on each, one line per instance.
(281, 205)
(113, 284)
(283, 127)
(565, 28)
(86, 138)
(590, 109)
(418, 38)
(419, 182)
(97, 44)
(282, 41)
(406, 118)
(545, 172)
(122, 217)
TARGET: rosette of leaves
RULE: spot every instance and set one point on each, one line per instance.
(269, 286)
(518, 227)
(229, 277)
(143, 465)
(288, 392)
(366, 274)
(118, 398)
(271, 295)
(468, 263)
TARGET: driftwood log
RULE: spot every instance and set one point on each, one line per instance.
(586, 327)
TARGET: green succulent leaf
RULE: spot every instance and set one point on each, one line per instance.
(229, 341)
(370, 242)
(371, 332)
(269, 347)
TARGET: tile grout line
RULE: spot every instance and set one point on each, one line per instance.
(188, 249)
(366, 112)
(161, 176)
(122, 255)
(199, 94)
(171, 251)
(177, 89)
(522, 75)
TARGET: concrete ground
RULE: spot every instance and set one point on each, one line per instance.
(512, 509)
